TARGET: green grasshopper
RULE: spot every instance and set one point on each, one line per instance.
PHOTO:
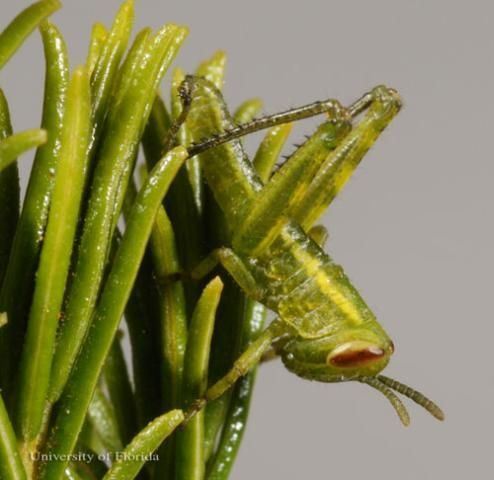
(324, 330)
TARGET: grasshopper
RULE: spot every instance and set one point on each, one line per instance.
(324, 330)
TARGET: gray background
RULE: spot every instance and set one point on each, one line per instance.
(412, 228)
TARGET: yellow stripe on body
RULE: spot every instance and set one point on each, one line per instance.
(327, 286)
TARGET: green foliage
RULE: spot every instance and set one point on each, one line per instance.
(90, 247)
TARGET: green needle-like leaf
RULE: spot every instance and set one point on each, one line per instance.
(174, 317)
(89, 438)
(190, 451)
(247, 111)
(155, 132)
(19, 143)
(55, 258)
(11, 467)
(15, 296)
(105, 69)
(9, 195)
(71, 474)
(99, 36)
(102, 417)
(236, 419)
(89, 468)
(213, 69)
(142, 317)
(132, 62)
(178, 76)
(78, 392)
(166, 261)
(120, 392)
(133, 458)
(22, 26)
(270, 149)
(115, 163)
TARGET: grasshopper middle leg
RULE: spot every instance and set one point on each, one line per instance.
(234, 265)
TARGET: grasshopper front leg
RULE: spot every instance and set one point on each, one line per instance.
(248, 360)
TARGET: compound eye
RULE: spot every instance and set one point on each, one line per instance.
(353, 354)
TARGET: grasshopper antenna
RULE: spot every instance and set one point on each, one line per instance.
(393, 399)
(414, 395)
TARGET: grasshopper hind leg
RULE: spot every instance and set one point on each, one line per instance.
(315, 174)
(380, 106)
(267, 217)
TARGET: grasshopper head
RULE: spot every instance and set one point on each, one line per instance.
(354, 354)
(343, 356)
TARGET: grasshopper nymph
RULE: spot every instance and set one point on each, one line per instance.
(324, 330)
